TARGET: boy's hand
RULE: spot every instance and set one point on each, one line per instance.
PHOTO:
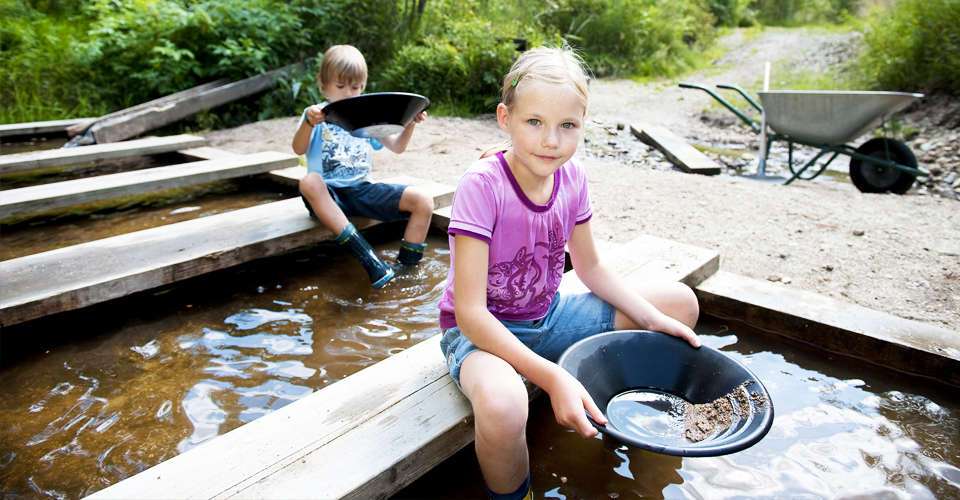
(315, 115)
(569, 400)
(420, 118)
(670, 326)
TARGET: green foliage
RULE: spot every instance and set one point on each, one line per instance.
(797, 12)
(643, 37)
(463, 65)
(915, 45)
(731, 12)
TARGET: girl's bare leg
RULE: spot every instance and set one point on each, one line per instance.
(671, 297)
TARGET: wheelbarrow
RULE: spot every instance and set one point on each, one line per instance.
(827, 121)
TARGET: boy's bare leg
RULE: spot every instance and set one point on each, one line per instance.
(500, 403)
(670, 297)
(328, 213)
(420, 206)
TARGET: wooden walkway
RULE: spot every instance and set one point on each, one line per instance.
(681, 154)
(371, 434)
(81, 275)
(59, 157)
(41, 128)
(75, 192)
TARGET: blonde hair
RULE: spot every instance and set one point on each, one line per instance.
(558, 65)
(342, 63)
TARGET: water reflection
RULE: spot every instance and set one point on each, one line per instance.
(842, 428)
(131, 386)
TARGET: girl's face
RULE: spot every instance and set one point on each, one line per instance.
(339, 89)
(545, 125)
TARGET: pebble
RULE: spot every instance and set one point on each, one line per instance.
(858, 232)
(828, 268)
(773, 278)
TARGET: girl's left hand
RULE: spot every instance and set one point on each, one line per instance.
(670, 326)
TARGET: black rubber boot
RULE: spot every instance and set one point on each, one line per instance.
(410, 253)
(380, 273)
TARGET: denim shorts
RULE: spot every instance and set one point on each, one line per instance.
(375, 200)
(571, 317)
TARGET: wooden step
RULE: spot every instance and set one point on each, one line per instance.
(677, 151)
(66, 156)
(41, 128)
(75, 192)
(89, 273)
(372, 433)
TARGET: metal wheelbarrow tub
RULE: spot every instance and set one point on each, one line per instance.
(830, 117)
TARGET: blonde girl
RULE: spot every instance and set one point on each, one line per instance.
(502, 317)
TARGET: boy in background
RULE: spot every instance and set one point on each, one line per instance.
(338, 164)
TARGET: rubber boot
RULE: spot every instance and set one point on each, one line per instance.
(410, 253)
(380, 273)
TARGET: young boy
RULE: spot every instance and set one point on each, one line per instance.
(336, 184)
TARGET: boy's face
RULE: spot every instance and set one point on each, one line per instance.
(340, 89)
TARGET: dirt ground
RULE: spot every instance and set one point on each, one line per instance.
(898, 254)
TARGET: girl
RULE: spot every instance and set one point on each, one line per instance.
(501, 315)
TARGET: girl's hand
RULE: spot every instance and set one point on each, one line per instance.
(315, 115)
(670, 326)
(570, 400)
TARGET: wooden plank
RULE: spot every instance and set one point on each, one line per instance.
(81, 275)
(394, 421)
(134, 122)
(205, 153)
(681, 154)
(75, 192)
(53, 157)
(41, 128)
(836, 326)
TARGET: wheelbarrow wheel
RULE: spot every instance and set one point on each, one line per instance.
(872, 178)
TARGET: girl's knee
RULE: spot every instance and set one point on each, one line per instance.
(687, 305)
(500, 412)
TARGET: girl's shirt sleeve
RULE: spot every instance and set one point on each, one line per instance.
(584, 209)
(474, 211)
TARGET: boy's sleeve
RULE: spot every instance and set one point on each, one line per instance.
(375, 144)
(584, 209)
(474, 211)
(303, 116)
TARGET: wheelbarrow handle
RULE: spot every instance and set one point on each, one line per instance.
(733, 109)
(742, 93)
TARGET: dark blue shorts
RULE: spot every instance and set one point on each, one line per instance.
(380, 201)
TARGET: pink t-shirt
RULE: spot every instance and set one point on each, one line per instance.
(526, 240)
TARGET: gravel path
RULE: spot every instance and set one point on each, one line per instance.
(899, 254)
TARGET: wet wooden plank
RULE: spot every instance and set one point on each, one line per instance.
(74, 192)
(81, 275)
(840, 327)
(55, 157)
(366, 436)
(681, 154)
(41, 128)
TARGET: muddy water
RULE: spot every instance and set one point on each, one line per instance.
(61, 173)
(96, 396)
(71, 228)
(9, 147)
(841, 428)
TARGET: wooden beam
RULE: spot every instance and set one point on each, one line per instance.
(90, 273)
(75, 192)
(681, 154)
(839, 327)
(41, 128)
(135, 121)
(66, 156)
(366, 436)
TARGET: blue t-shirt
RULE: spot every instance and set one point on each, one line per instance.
(342, 159)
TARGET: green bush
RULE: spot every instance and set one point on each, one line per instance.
(461, 69)
(643, 37)
(796, 12)
(731, 12)
(915, 45)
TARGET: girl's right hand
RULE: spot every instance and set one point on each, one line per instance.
(315, 115)
(571, 402)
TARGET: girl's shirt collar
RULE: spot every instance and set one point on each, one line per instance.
(519, 191)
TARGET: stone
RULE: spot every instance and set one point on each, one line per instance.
(858, 232)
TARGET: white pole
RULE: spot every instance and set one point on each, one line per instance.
(763, 124)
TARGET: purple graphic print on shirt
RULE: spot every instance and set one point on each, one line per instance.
(526, 240)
